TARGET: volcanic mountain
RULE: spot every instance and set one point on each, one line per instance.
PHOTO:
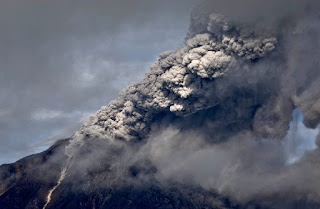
(205, 128)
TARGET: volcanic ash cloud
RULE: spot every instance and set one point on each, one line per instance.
(231, 80)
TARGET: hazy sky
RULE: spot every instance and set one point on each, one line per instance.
(61, 60)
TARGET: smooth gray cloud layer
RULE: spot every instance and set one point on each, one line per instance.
(61, 60)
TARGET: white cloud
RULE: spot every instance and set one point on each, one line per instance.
(47, 114)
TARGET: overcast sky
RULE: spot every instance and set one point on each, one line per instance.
(61, 60)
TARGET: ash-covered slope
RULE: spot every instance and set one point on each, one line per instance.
(26, 184)
(202, 130)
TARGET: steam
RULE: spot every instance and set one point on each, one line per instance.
(209, 112)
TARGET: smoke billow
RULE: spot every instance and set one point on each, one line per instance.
(206, 114)
(243, 167)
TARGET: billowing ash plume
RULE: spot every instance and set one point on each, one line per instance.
(183, 81)
(201, 73)
(231, 82)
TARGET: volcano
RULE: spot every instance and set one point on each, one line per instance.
(205, 128)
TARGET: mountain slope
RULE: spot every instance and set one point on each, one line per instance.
(26, 184)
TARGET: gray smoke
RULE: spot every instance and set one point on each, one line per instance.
(226, 56)
(242, 167)
(206, 114)
(318, 140)
(184, 81)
